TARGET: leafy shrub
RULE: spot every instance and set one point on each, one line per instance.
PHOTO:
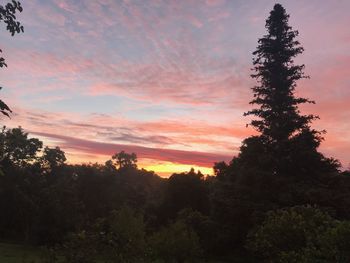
(175, 243)
(122, 236)
(335, 243)
(80, 248)
(290, 235)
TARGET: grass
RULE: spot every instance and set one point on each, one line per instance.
(14, 253)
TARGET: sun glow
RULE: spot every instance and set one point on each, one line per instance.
(163, 169)
(167, 168)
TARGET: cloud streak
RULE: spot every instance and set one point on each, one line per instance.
(108, 149)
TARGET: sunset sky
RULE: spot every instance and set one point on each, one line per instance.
(166, 79)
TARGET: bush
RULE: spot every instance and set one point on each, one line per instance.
(118, 238)
(175, 243)
(290, 235)
(122, 236)
(335, 243)
(80, 248)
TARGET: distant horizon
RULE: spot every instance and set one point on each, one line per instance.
(169, 81)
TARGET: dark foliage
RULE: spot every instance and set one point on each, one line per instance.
(280, 167)
(8, 16)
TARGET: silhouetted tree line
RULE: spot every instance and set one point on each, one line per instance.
(279, 200)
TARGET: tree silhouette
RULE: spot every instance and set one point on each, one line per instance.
(8, 16)
(17, 148)
(125, 160)
(280, 167)
(53, 157)
(277, 75)
(284, 130)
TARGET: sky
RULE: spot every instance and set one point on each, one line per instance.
(166, 79)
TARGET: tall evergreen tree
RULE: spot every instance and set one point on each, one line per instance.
(277, 74)
(284, 130)
(281, 166)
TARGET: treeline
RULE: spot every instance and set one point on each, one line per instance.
(114, 210)
(47, 202)
(119, 213)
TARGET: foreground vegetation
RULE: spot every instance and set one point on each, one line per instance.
(279, 200)
(14, 253)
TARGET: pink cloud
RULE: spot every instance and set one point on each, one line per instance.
(173, 83)
(108, 149)
(215, 2)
